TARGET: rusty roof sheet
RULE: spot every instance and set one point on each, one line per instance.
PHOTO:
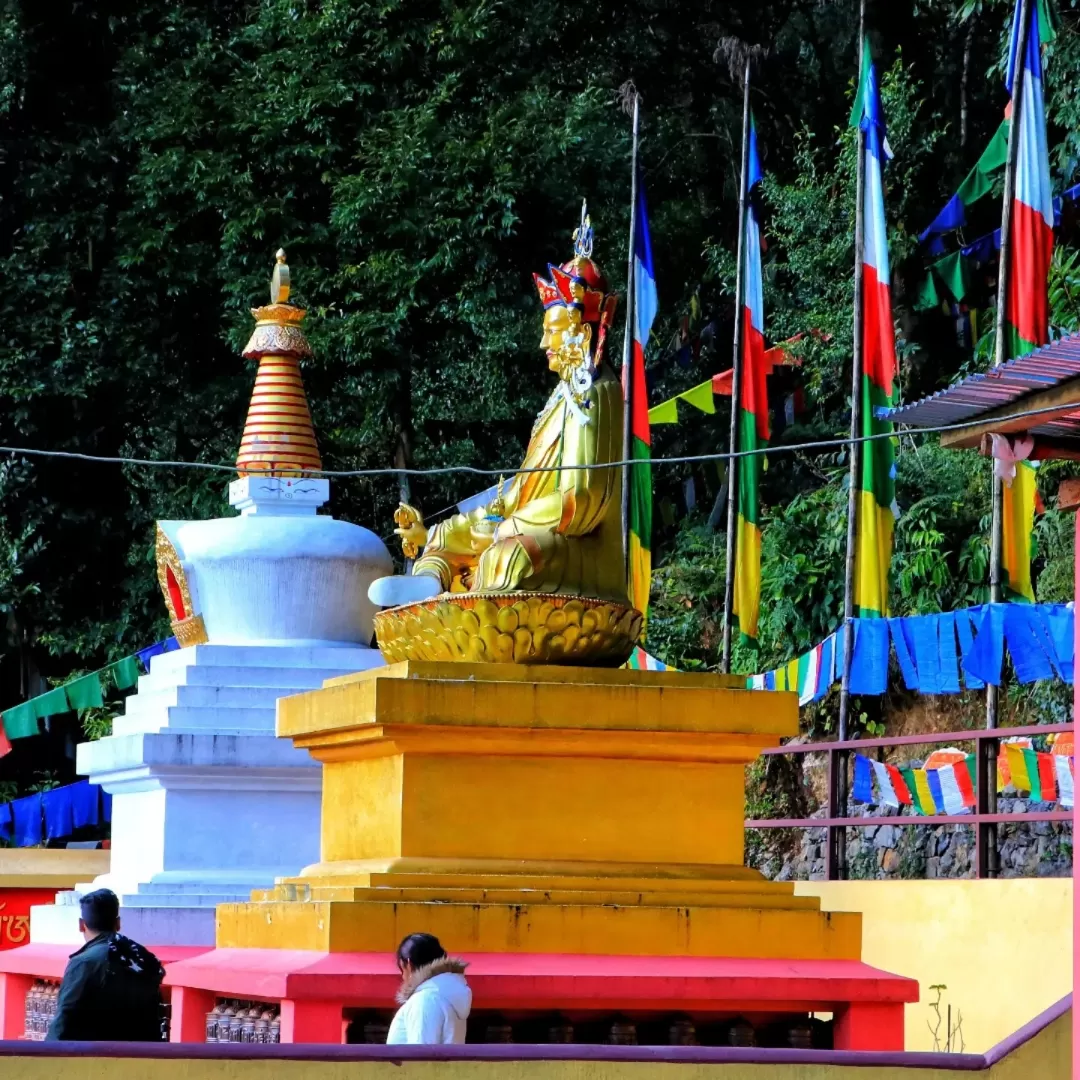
(971, 398)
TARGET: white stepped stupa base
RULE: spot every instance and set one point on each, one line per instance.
(207, 803)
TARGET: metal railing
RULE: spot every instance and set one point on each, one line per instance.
(985, 819)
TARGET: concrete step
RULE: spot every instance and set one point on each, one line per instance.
(204, 697)
(352, 658)
(184, 888)
(232, 721)
(183, 900)
(294, 678)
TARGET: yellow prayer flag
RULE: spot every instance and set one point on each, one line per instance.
(792, 669)
(923, 792)
(667, 412)
(1018, 767)
(701, 397)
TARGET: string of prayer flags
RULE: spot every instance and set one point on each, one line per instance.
(84, 692)
(937, 654)
(640, 660)
(950, 787)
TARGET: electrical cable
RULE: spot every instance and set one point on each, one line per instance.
(473, 470)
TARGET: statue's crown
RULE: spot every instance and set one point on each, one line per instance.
(579, 283)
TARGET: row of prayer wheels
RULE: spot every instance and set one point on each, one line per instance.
(797, 1032)
(234, 1021)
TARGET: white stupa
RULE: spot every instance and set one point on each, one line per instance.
(207, 803)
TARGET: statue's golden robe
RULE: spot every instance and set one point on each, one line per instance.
(561, 531)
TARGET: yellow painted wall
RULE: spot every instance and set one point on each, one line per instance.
(1002, 948)
(1045, 1057)
(48, 868)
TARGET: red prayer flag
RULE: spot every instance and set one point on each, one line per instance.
(902, 794)
(1047, 777)
(5, 742)
(963, 782)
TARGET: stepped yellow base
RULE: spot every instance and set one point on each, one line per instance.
(508, 809)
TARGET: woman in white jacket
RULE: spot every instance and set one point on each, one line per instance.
(434, 997)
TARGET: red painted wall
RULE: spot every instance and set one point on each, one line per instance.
(15, 907)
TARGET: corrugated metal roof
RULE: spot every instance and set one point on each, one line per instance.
(1011, 382)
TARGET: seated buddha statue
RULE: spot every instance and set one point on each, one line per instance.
(550, 531)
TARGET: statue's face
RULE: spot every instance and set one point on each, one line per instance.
(561, 324)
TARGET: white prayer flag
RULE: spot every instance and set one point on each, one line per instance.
(886, 791)
(950, 790)
(1063, 772)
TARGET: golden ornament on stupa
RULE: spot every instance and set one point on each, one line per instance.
(279, 438)
(537, 576)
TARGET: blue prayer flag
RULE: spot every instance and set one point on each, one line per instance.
(862, 789)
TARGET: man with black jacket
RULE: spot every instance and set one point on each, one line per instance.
(112, 986)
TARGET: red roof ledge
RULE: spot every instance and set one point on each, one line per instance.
(550, 981)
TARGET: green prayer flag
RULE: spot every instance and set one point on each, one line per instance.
(667, 412)
(913, 791)
(85, 693)
(928, 297)
(980, 181)
(969, 761)
(21, 721)
(701, 397)
(1031, 761)
(953, 271)
(50, 704)
(667, 512)
(125, 672)
(857, 105)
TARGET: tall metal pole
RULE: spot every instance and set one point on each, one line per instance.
(736, 381)
(1000, 321)
(854, 455)
(628, 341)
(986, 841)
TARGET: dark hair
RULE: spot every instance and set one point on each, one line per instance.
(100, 910)
(419, 950)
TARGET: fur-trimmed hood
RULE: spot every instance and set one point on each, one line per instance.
(446, 965)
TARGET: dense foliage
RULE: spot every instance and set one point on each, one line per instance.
(418, 160)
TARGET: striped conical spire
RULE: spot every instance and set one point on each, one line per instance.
(279, 438)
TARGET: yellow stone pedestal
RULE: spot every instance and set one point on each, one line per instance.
(537, 810)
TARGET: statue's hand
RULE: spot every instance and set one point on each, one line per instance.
(411, 529)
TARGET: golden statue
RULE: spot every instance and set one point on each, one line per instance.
(552, 541)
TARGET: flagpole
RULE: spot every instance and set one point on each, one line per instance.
(854, 456)
(628, 342)
(736, 381)
(1011, 154)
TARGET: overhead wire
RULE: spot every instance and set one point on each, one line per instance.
(474, 470)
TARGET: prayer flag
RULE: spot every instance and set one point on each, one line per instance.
(84, 693)
(933, 782)
(861, 789)
(903, 793)
(1046, 777)
(1018, 773)
(886, 792)
(951, 796)
(877, 495)
(125, 672)
(1064, 776)
(753, 405)
(636, 398)
(1031, 767)
(924, 797)
(965, 779)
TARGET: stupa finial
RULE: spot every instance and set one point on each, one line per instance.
(279, 283)
(279, 439)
